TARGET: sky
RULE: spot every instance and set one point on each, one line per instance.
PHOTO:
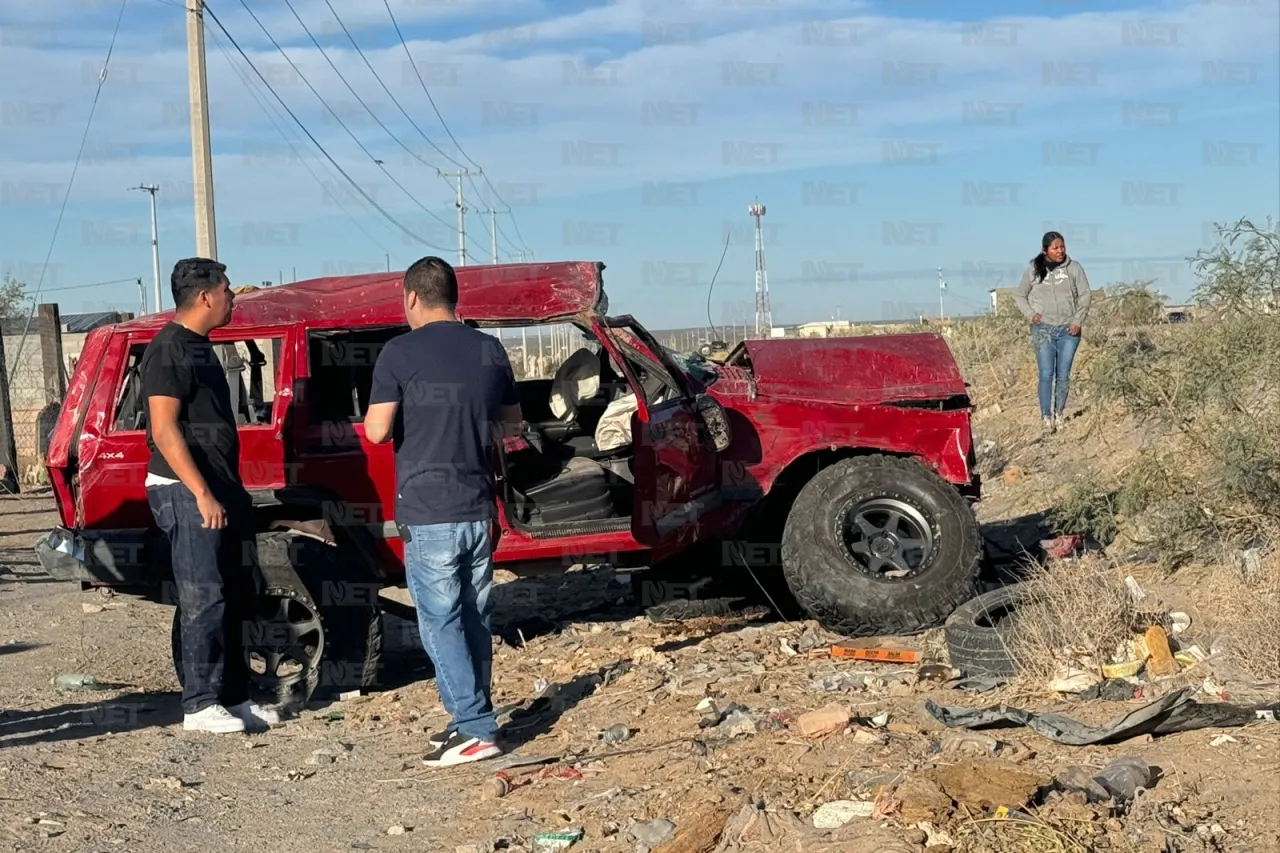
(886, 139)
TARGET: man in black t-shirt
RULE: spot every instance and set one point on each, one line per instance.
(445, 392)
(194, 490)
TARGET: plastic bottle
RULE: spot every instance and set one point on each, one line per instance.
(616, 734)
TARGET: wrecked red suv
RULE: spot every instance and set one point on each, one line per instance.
(846, 462)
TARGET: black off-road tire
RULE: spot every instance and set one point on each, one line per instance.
(828, 585)
(318, 576)
(980, 633)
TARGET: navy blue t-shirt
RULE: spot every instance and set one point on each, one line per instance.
(451, 382)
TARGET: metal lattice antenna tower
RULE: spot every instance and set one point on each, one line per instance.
(764, 317)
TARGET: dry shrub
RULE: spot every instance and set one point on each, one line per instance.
(1242, 616)
(1072, 610)
(994, 352)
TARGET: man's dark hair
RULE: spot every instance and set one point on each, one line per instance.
(193, 276)
(434, 282)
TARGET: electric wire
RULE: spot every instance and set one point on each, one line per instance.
(75, 167)
(712, 286)
(315, 141)
(445, 125)
(263, 105)
(375, 160)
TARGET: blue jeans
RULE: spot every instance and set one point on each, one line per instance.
(215, 572)
(1055, 349)
(449, 568)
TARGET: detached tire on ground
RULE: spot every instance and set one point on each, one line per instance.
(880, 545)
(317, 627)
(980, 633)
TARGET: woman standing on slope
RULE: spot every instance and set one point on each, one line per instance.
(1054, 294)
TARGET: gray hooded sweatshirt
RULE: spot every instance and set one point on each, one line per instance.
(1061, 299)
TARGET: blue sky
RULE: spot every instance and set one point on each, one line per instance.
(886, 139)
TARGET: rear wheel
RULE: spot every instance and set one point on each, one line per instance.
(317, 627)
(879, 545)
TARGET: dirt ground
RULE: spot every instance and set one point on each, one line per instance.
(112, 770)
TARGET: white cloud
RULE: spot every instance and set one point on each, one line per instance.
(742, 87)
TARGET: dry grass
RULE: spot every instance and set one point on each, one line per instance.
(1242, 617)
(1077, 612)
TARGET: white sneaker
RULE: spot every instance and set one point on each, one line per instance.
(215, 719)
(252, 714)
(1050, 424)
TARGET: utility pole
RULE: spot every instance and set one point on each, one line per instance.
(942, 288)
(493, 234)
(142, 297)
(462, 211)
(201, 155)
(155, 246)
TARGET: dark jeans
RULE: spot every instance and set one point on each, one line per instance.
(1055, 348)
(216, 579)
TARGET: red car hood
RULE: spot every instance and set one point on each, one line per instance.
(856, 370)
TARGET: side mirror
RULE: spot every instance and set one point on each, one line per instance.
(716, 421)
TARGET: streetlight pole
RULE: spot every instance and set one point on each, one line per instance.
(152, 189)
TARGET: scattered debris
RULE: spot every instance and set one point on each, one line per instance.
(651, 833)
(916, 799)
(77, 682)
(824, 721)
(1222, 740)
(1061, 547)
(616, 734)
(1136, 592)
(1013, 475)
(969, 742)
(548, 842)
(1174, 712)
(1179, 622)
(1073, 679)
(349, 694)
(836, 814)
(398, 829)
(876, 650)
(1160, 662)
(986, 785)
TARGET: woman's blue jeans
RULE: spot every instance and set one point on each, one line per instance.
(1055, 349)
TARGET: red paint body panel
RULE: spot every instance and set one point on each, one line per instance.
(864, 370)
(783, 399)
(503, 293)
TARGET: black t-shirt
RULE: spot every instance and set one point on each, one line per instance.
(180, 363)
(451, 382)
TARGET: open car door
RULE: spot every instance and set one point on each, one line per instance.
(676, 455)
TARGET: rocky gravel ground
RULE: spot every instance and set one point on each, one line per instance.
(630, 736)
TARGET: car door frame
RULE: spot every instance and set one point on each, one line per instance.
(676, 465)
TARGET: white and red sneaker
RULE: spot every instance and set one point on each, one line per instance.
(457, 748)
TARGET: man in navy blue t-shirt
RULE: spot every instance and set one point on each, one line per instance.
(445, 392)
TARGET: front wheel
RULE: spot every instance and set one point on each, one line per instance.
(880, 545)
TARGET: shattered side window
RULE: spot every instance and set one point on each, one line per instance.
(694, 365)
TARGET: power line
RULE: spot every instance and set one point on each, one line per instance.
(509, 245)
(91, 284)
(75, 167)
(338, 118)
(356, 94)
(315, 141)
(263, 105)
(394, 100)
(445, 124)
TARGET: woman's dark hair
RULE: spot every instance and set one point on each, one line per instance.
(1042, 268)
